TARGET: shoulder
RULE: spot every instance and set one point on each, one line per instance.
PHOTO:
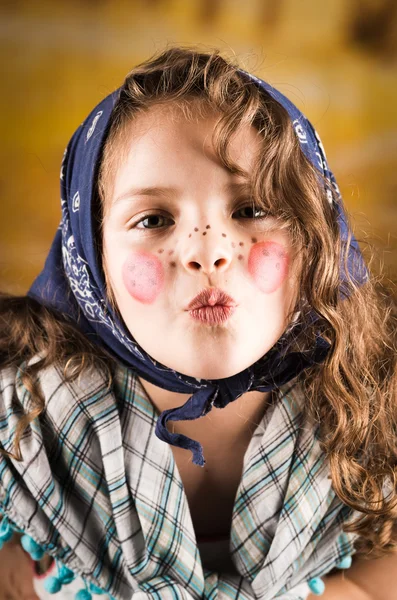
(64, 446)
(57, 400)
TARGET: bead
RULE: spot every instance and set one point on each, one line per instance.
(317, 586)
(65, 574)
(37, 554)
(52, 585)
(346, 563)
(95, 589)
(6, 535)
(83, 595)
(6, 531)
(31, 547)
(29, 544)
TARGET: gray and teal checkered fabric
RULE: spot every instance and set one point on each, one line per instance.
(98, 490)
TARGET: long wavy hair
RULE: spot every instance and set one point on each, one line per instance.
(351, 396)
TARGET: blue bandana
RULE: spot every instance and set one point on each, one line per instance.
(73, 282)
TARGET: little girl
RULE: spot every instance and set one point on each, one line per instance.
(197, 394)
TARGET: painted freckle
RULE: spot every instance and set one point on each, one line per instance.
(170, 252)
(204, 233)
(223, 234)
(240, 257)
(190, 235)
(254, 240)
(196, 229)
(172, 264)
(208, 227)
(161, 250)
(241, 243)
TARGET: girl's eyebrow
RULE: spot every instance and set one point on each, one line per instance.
(153, 190)
(158, 191)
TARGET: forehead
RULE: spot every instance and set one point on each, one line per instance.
(166, 137)
(169, 128)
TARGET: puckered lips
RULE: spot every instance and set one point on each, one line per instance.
(212, 306)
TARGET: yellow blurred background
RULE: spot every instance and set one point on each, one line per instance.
(336, 60)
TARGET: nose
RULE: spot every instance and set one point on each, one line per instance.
(209, 253)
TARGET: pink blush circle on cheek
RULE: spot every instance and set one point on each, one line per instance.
(143, 276)
(268, 265)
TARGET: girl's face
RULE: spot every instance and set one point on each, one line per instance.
(175, 222)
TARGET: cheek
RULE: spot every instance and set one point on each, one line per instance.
(143, 276)
(268, 266)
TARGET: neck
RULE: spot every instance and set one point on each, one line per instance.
(237, 420)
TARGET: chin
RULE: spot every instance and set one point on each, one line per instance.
(212, 358)
(216, 369)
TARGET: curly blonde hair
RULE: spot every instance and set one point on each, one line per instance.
(352, 394)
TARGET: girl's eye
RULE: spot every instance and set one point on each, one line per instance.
(153, 218)
(149, 218)
(265, 214)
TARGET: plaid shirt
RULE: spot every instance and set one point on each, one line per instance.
(101, 493)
